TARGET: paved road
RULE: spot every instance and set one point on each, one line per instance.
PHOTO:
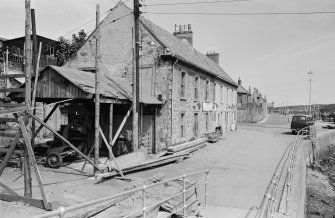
(241, 166)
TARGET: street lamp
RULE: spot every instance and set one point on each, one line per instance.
(310, 73)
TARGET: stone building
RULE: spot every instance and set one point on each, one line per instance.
(195, 94)
(251, 105)
(243, 96)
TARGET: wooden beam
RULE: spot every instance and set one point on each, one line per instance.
(11, 149)
(36, 77)
(97, 87)
(64, 139)
(120, 127)
(12, 89)
(111, 152)
(111, 117)
(19, 75)
(30, 201)
(46, 119)
(11, 110)
(7, 119)
(32, 158)
(11, 105)
(114, 101)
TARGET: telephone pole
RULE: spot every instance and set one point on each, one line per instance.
(136, 90)
(97, 89)
(27, 70)
(310, 73)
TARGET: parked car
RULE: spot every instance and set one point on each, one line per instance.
(301, 121)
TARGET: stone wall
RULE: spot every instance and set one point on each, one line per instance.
(251, 113)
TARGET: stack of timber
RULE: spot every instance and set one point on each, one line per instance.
(139, 160)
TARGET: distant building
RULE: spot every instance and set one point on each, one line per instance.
(243, 96)
(251, 105)
(15, 49)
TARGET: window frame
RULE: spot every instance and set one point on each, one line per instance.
(183, 82)
(196, 88)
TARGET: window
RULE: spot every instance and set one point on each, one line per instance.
(207, 121)
(239, 100)
(196, 88)
(183, 85)
(227, 96)
(214, 93)
(182, 125)
(207, 91)
(221, 93)
(196, 124)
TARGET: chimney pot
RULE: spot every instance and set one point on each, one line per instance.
(184, 33)
(214, 57)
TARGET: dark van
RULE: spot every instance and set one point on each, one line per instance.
(301, 121)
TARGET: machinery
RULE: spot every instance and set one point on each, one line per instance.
(78, 131)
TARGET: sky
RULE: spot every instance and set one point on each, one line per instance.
(272, 52)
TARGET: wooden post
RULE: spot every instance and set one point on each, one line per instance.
(33, 24)
(6, 72)
(137, 77)
(111, 152)
(97, 87)
(31, 155)
(110, 137)
(28, 69)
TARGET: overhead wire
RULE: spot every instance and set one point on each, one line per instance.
(244, 14)
(194, 3)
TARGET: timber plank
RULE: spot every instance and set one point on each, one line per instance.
(11, 105)
(33, 202)
(12, 89)
(11, 110)
(11, 149)
(7, 119)
(12, 76)
(27, 140)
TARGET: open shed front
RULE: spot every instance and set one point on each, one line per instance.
(70, 92)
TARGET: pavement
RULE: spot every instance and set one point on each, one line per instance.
(241, 165)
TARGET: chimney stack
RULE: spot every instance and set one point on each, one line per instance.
(214, 56)
(184, 33)
(239, 81)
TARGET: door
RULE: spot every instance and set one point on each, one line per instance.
(147, 137)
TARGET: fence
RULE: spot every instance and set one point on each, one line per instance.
(280, 187)
(62, 211)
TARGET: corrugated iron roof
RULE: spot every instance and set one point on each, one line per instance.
(86, 81)
(118, 88)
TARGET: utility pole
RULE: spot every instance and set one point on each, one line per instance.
(136, 90)
(97, 88)
(33, 23)
(310, 73)
(27, 70)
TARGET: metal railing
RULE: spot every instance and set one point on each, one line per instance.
(281, 181)
(62, 211)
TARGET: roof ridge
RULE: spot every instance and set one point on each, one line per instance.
(186, 52)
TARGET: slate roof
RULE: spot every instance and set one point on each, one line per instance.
(242, 90)
(186, 52)
(118, 88)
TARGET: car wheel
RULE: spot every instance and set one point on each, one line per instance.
(54, 160)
